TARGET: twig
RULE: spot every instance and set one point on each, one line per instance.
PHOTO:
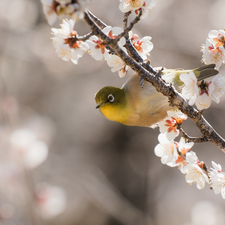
(127, 29)
(97, 20)
(85, 37)
(193, 139)
(133, 53)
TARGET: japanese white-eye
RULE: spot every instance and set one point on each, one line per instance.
(134, 105)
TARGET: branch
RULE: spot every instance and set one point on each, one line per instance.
(166, 89)
(133, 53)
(85, 37)
(193, 139)
(97, 20)
(127, 29)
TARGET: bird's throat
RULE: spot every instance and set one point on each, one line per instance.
(115, 113)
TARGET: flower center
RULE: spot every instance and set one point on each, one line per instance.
(204, 87)
(100, 45)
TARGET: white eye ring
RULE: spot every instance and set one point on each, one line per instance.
(111, 98)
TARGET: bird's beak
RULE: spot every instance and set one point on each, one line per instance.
(100, 104)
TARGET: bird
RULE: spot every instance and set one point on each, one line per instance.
(133, 105)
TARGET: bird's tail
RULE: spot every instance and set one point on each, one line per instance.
(206, 71)
(173, 76)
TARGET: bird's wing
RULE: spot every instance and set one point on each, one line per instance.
(148, 105)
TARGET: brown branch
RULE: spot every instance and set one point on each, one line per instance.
(97, 20)
(166, 89)
(85, 37)
(133, 53)
(129, 28)
(193, 139)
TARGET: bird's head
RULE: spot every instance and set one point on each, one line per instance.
(113, 103)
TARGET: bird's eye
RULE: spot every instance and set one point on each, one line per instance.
(111, 98)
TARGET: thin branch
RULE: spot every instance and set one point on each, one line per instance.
(193, 139)
(133, 53)
(85, 37)
(101, 24)
(129, 28)
(125, 19)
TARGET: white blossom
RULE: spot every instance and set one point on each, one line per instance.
(166, 150)
(129, 5)
(217, 177)
(117, 64)
(183, 148)
(147, 8)
(135, 5)
(113, 32)
(213, 54)
(194, 171)
(169, 124)
(98, 48)
(143, 46)
(202, 92)
(49, 11)
(219, 88)
(190, 90)
(217, 37)
(65, 43)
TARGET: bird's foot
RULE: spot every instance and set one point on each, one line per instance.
(142, 80)
(159, 72)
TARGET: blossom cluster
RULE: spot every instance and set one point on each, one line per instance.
(68, 46)
(178, 154)
(201, 93)
(213, 50)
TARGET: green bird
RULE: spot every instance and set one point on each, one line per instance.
(133, 105)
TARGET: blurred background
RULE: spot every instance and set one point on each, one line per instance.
(90, 170)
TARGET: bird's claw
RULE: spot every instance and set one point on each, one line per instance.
(142, 80)
(159, 72)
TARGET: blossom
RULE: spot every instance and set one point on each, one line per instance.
(194, 171)
(190, 90)
(202, 92)
(66, 44)
(147, 8)
(54, 8)
(113, 32)
(98, 48)
(170, 124)
(143, 46)
(114, 61)
(49, 11)
(217, 177)
(219, 88)
(203, 100)
(50, 200)
(166, 150)
(27, 148)
(217, 37)
(213, 54)
(136, 5)
(117, 64)
(129, 5)
(183, 148)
